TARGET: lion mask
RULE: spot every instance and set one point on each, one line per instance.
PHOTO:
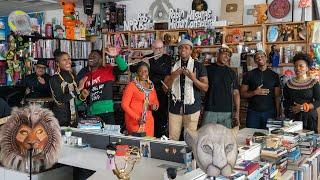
(30, 129)
(214, 148)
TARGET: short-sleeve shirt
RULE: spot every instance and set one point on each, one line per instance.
(178, 107)
(270, 80)
(222, 82)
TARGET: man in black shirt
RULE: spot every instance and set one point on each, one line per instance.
(187, 80)
(223, 92)
(262, 87)
(37, 83)
(160, 66)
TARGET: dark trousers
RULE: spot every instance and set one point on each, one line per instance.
(107, 118)
(161, 115)
(259, 120)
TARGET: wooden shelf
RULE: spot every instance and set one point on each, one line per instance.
(141, 49)
(282, 65)
(284, 23)
(208, 46)
(287, 42)
(246, 43)
(243, 26)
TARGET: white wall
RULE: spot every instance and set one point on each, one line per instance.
(58, 14)
(134, 7)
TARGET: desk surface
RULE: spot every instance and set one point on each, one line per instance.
(95, 159)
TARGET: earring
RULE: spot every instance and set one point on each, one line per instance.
(167, 150)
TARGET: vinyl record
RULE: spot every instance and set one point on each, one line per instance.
(279, 8)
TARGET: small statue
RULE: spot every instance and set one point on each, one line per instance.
(274, 56)
(260, 13)
(286, 32)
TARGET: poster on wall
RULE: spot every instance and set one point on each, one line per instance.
(248, 17)
(302, 10)
(232, 11)
(280, 10)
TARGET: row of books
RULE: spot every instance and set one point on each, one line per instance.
(116, 40)
(44, 48)
(76, 49)
(142, 40)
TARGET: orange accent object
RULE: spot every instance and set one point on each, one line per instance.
(132, 105)
(306, 107)
(69, 20)
(122, 150)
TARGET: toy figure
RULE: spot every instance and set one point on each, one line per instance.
(69, 20)
(59, 32)
(286, 32)
(274, 56)
(260, 13)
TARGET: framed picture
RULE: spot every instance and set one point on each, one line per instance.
(2, 24)
(316, 9)
(280, 11)
(248, 17)
(232, 11)
(301, 14)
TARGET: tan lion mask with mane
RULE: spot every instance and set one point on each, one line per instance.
(28, 128)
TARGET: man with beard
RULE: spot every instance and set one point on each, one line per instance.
(223, 92)
(262, 88)
(187, 80)
(99, 81)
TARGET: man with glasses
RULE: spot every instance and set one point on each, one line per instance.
(262, 88)
(223, 93)
(37, 83)
(160, 66)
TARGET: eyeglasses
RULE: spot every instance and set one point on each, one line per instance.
(158, 48)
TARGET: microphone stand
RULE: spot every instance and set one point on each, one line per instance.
(30, 165)
(169, 94)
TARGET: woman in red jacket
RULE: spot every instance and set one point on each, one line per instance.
(138, 101)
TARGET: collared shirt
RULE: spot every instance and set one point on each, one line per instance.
(179, 107)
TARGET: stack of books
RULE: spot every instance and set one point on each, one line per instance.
(92, 124)
(247, 167)
(274, 123)
(276, 156)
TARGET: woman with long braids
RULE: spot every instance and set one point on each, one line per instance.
(138, 101)
(302, 94)
(65, 90)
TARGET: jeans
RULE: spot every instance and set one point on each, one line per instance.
(259, 120)
(223, 118)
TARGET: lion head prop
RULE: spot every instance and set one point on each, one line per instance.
(30, 129)
(214, 148)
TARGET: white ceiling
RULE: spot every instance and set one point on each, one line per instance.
(7, 6)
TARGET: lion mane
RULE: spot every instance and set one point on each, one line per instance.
(10, 154)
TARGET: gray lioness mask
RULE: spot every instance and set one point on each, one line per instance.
(214, 148)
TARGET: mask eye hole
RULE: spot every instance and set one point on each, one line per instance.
(207, 149)
(229, 148)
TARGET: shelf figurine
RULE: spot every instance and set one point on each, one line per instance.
(260, 13)
(274, 56)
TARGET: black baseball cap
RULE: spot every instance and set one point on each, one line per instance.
(42, 62)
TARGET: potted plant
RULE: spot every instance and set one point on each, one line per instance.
(68, 132)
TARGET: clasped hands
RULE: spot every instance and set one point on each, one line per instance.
(184, 71)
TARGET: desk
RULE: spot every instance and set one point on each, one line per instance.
(95, 160)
